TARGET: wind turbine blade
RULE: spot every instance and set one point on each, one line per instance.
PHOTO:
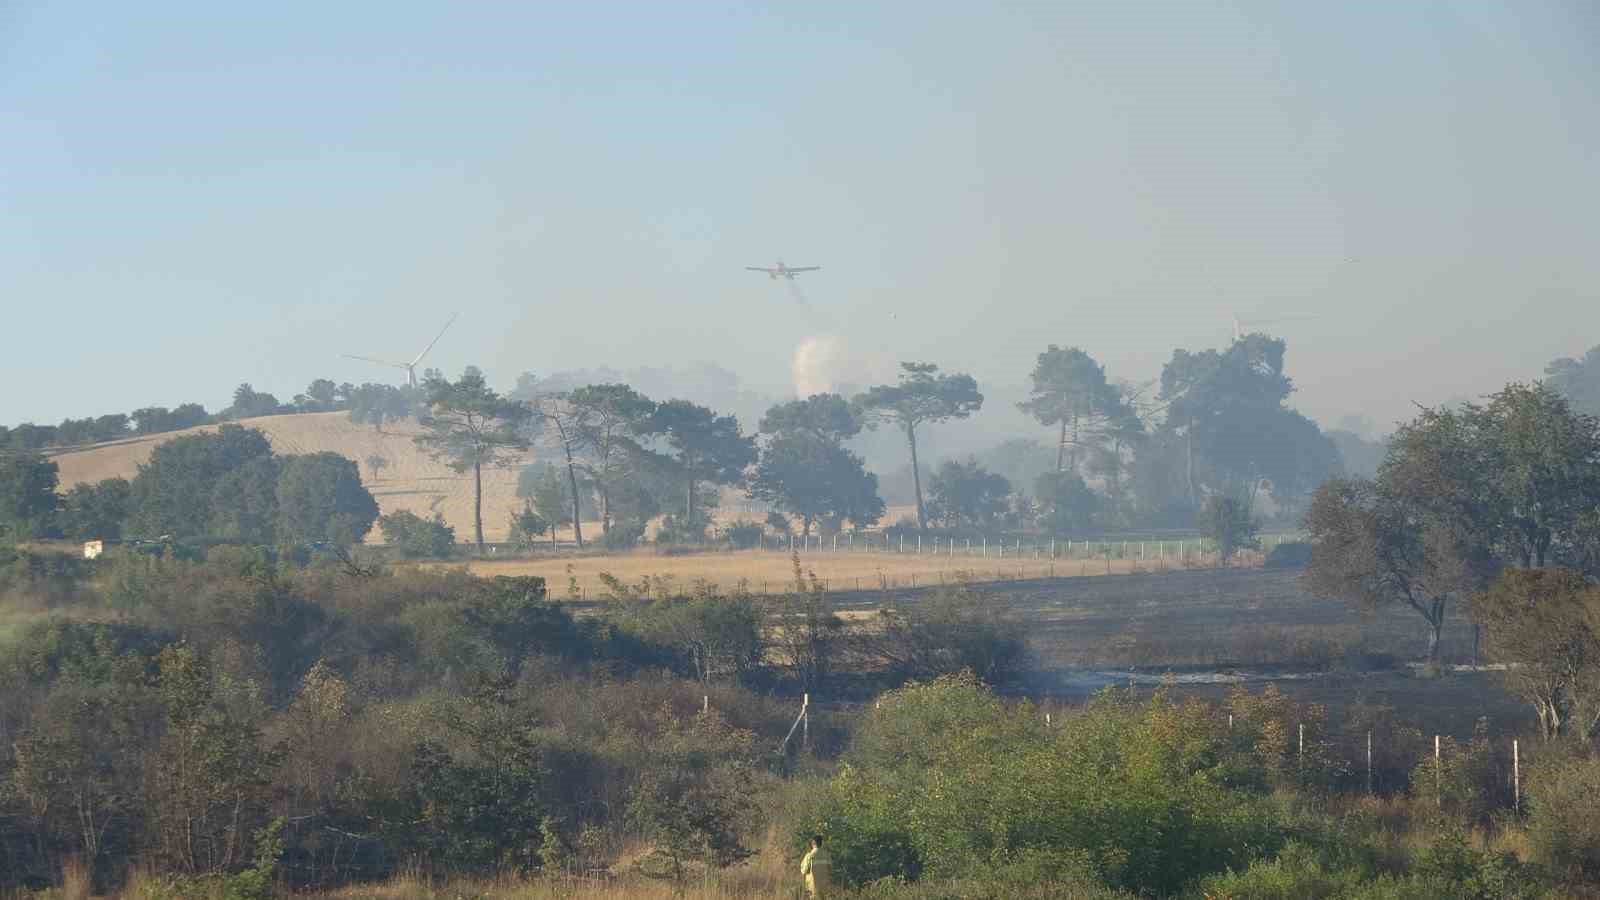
(435, 339)
(393, 365)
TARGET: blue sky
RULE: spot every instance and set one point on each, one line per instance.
(198, 194)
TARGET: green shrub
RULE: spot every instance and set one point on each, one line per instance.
(1562, 822)
(743, 534)
(1295, 874)
(1289, 555)
(416, 537)
(958, 629)
(947, 780)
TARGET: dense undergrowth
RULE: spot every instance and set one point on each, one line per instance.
(242, 728)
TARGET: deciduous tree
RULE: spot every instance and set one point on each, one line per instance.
(1227, 521)
(172, 494)
(99, 510)
(1373, 547)
(816, 479)
(321, 499)
(1578, 380)
(1545, 625)
(967, 495)
(28, 497)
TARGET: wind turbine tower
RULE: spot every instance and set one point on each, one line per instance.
(410, 367)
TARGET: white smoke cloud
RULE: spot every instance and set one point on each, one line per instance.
(826, 363)
(820, 365)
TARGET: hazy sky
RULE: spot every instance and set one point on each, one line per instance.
(198, 194)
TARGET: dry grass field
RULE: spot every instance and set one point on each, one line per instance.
(768, 571)
(409, 480)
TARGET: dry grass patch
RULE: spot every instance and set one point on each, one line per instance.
(769, 571)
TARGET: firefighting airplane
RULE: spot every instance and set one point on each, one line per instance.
(783, 271)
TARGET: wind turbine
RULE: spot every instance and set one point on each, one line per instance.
(410, 367)
(1239, 325)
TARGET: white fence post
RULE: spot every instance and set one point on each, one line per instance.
(1516, 777)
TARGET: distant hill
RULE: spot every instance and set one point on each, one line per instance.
(409, 480)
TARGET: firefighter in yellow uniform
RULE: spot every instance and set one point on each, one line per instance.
(817, 869)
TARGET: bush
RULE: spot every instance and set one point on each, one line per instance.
(947, 780)
(1289, 555)
(958, 629)
(1562, 825)
(675, 530)
(624, 534)
(743, 534)
(416, 537)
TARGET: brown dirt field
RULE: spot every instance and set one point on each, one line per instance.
(767, 571)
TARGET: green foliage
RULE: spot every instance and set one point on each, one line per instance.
(1069, 390)
(1545, 623)
(96, 511)
(545, 488)
(965, 495)
(604, 425)
(706, 447)
(249, 403)
(945, 780)
(1562, 825)
(1227, 409)
(710, 635)
(957, 629)
(1578, 380)
(816, 480)
(1068, 505)
(28, 497)
(527, 525)
(416, 537)
(922, 396)
(827, 418)
(469, 426)
(1375, 545)
(692, 802)
(320, 499)
(1228, 523)
(743, 534)
(1289, 555)
(173, 492)
(377, 404)
(481, 807)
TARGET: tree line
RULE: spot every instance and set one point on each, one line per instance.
(222, 486)
(1493, 510)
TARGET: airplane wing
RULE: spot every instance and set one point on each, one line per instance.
(805, 268)
(759, 269)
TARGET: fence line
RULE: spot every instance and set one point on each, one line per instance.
(884, 542)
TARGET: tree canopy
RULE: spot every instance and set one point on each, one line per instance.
(966, 495)
(28, 498)
(816, 479)
(469, 426)
(923, 395)
(172, 493)
(321, 500)
(706, 447)
(1237, 435)
(1069, 389)
(1578, 380)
